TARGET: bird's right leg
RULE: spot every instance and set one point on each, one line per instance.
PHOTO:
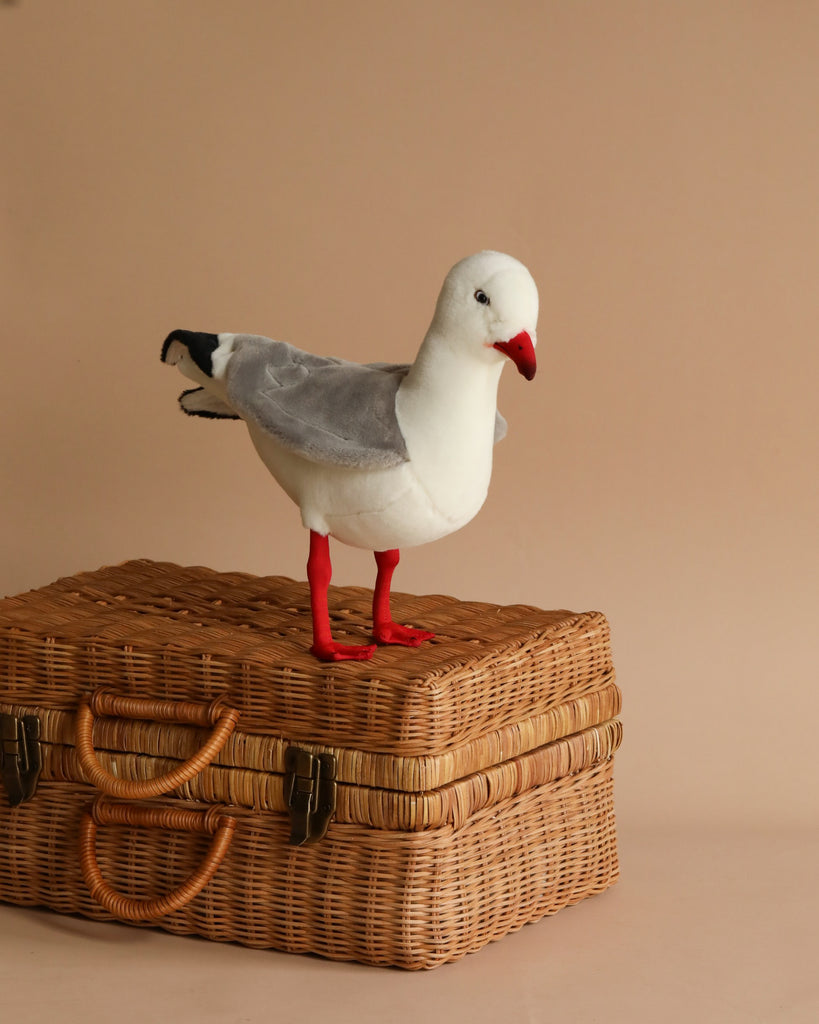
(319, 574)
(385, 630)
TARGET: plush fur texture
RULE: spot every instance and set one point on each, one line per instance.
(200, 347)
(301, 400)
(326, 410)
(381, 456)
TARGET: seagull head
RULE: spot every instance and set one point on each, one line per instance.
(488, 309)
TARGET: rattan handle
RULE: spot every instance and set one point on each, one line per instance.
(222, 718)
(211, 822)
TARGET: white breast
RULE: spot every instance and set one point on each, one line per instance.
(446, 413)
(380, 509)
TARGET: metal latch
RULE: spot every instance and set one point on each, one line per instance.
(20, 758)
(310, 792)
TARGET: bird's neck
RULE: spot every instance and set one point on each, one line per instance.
(446, 413)
(446, 408)
(444, 384)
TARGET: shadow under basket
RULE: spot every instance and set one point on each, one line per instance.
(173, 756)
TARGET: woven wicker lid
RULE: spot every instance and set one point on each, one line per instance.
(189, 633)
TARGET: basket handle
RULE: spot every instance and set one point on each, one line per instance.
(211, 822)
(101, 702)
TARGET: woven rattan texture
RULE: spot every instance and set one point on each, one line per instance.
(263, 753)
(415, 899)
(175, 633)
(387, 809)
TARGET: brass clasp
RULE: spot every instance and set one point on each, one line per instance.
(310, 792)
(20, 757)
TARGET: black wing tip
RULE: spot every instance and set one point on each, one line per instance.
(173, 336)
(200, 346)
(205, 414)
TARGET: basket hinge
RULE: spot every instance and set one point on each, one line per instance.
(310, 791)
(20, 757)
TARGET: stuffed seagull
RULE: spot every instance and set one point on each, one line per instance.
(380, 456)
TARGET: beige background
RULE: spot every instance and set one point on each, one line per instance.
(310, 171)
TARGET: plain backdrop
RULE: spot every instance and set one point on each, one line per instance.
(310, 171)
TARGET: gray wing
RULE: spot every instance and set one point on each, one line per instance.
(324, 409)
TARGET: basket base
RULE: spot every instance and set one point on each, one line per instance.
(405, 899)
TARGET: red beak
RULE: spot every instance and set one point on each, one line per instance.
(522, 353)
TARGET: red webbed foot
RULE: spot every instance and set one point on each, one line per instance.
(331, 651)
(385, 630)
(406, 636)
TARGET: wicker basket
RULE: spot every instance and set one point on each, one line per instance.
(470, 780)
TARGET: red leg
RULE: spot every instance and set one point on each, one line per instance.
(384, 629)
(319, 573)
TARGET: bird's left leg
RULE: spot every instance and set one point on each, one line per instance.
(385, 630)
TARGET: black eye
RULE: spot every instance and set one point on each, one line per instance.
(482, 297)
